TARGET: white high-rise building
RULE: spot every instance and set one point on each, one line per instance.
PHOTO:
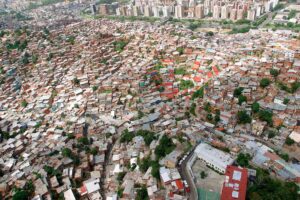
(224, 12)
(166, 11)
(147, 11)
(216, 12)
(178, 11)
(155, 11)
(251, 15)
(199, 11)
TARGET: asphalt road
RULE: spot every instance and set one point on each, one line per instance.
(186, 176)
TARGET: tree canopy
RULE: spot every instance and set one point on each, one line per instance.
(243, 117)
(265, 82)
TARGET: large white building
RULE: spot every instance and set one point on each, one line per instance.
(213, 157)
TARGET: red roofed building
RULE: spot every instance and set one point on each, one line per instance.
(235, 185)
(215, 69)
(197, 79)
(209, 74)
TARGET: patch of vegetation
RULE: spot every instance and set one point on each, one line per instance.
(266, 116)
(142, 193)
(294, 87)
(243, 117)
(147, 135)
(238, 91)
(120, 45)
(240, 30)
(186, 84)
(126, 136)
(286, 101)
(289, 141)
(265, 187)
(278, 7)
(265, 82)
(292, 14)
(165, 147)
(243, 159)
(242, 99)
(121, 176)
(198, 93)
(180, 71)
(209, 34)
(180, 50)
(193, 109)
(24, 103)
(76, 81)
(274, 72)
(255, 107)
(194, 25)
(203, 174)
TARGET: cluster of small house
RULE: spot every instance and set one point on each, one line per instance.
(83, 86)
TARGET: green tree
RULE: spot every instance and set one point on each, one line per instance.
(144, 164)
(238, 91)
(255, 107)
(266, 187)
(274, 72)
(209, 33)
(289, 141)
(198, 94)
(192, 110)
(180, 50)
(66, 152)
(147, 135)
(142, 194)
(243, 159)
(165, 147)
(266, 116)
(203, 174)
(243, 117)
(286, 101)
(207, 107)
(83, 140)
(121, 176)
(185, 84)
(265, 82)
(217, 118)
(76, 81)
(242, 99)
(155, 169)
(209, 117)
(24, 103)
(126, 136)
(20, 195)
(94, 88)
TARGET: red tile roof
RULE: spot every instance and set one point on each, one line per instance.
(215, 69)
(179, 185)
(235, 185)
(209, 74)
(197, 79)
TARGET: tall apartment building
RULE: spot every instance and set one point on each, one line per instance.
(207, 6)
(233, 13)
(224, 12)
(136, 10)
(147, 11)
(103, 9)
(155, 11)
(217, 12)
(251, 15)
(240, 14)
(178, 11)
(199, 11)
(166, 11)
